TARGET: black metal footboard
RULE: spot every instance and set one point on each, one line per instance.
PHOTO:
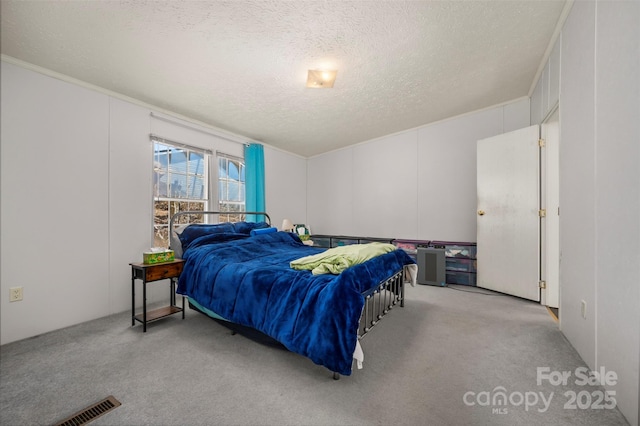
(379, 301)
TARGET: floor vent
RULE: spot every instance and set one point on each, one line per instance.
(91, 413)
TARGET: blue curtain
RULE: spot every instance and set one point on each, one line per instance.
(254, 180)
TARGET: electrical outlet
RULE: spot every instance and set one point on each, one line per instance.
(583, 309)
(15, 294)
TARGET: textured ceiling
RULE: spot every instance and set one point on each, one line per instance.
(242, 65)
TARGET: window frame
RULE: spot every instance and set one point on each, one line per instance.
(241, 187)
(160, 228)
(212, 196)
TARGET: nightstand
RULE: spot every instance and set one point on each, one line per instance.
(149, 273)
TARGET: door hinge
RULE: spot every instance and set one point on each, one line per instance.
(542, 284)
(541, 143)
(542, 212)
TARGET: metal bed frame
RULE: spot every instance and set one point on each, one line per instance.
(172, 220)
(378, 301)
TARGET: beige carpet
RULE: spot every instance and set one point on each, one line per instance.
(440, 360)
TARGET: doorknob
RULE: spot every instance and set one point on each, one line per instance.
(480, 212)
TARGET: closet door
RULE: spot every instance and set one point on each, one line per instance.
(508, 222)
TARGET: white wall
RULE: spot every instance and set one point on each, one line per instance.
(546, 94)
(596, 62)
(285, 186)
(617, 135)
(577, 180)
(55, 203)
(384, 186)
(417, 184)
(76, 204)
(130, 184)
(330, 192)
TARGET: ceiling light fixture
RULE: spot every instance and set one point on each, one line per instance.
(321, 79)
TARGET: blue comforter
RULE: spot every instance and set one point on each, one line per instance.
(246, 279)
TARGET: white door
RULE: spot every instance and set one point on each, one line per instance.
(550, 267)
(508, 218)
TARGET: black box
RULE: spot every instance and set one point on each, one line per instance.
(431, 266)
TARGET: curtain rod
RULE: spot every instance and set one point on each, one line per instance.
(160, 139)
(207, 132)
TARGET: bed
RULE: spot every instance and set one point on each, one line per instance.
(243, 273)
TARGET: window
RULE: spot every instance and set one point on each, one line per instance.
(231, 187)
(180, 183)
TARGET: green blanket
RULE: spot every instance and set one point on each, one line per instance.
(337, 259)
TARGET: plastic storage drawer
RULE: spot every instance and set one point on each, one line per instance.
(460, 264)
(410, 246)
(375, 240)
(454, 249)
(463, 278)
(321, 241)
(343, 241)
